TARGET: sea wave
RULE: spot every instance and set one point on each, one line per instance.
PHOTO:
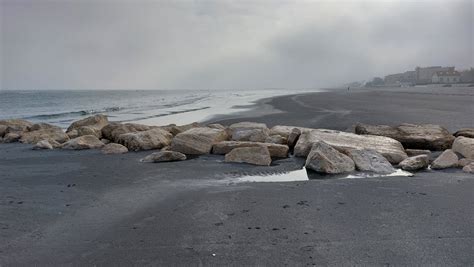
(73, 113)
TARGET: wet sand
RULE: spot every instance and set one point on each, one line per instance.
(84, 208)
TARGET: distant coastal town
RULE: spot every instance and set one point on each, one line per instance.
(422, 76)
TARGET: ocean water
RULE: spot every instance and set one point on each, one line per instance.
(153, 107)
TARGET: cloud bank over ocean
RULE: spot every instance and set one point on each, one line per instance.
(225, 44)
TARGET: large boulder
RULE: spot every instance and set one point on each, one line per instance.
(83, 142)
(423, 136)
(164, 156)
(415, 163)
(97, 122)
(465, 161)
(464, 146)
(113, 130)
(224, 147)
(285, 130)
(42, 131)
(87, 130)
(466, 132)
(197, 141)
(323, 158)
(468, 168)
(113, 148)
(258, 155)
(391, 149)
(293, 137)
(371, 161)
(155, 138)
(13, 125)
(276, 139)
(175, 129)
(11, 137)
(249, 131)
(447, 159)
(43, 144)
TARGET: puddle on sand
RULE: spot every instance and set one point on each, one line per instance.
(304, 175)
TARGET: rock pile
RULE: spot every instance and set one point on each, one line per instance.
(372, 148)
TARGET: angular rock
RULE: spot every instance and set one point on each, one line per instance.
(216, 126)
(155, 138)
(293, 137)
(197, 141)
(105, 141)
(423, 136)
(42, 131)
(3, 130)
(97, 121)
(11, 137)
(14, 125)
(258, 155)
(224, 147)
(276, 139)
(113, 130)
(323, 158)
(285, 131)
(415, 163)
(174, 129)
(464, 161)
(43, 144)
(164, 156)
(371, 161)
(391, 149)
(88, 130)
(464, 146)
(249, 131)
(113, 148)
(417, 152)
(466, 132)
(468, 168)
(83, 142)
(72, 134)
(447, 159)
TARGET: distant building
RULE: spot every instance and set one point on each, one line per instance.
(446, 77)
(405, 78)
(467, 76)
(425, 75)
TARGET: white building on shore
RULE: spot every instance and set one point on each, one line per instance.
(446, 77)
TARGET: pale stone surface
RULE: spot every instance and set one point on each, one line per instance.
(464, 146)
(415, 163)
(113, 148)
(175, 129)
(43, 144)
(285, 130)
(447, 159)
(370, 160)
(216, 126)
(164, 156)
(42, 131)
(416, 152)
(83, 142)
(391, 149)
(258, 155)
(276, 139)
(423, 136)
(15, 125)
(197, 141)
(155, 138)
(88, 130)
(325, 159)
(224, 147)
(464, 161)
(468, 168)
(113, 130)
(11, 137)
(249, 131)
(97, 121)
(466, 132)
(72, 134)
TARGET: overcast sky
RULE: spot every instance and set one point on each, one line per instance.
(105, 44)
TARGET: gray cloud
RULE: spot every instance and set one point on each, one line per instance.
(225, 44)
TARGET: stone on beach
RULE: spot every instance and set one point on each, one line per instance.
(466, 132)
(417, 152)
(258, 155)
(198, 141)
(249, 131)
(164, 156)
(276, 139)
(370, 160)
(11, 137)
(423, 136)
(83, 142)
(155, 138)
(464, 161)
(464, 146)
(42, 131)
(13, 125)
(468, 168)
(175, 129)
(3, 130)
(285, 130)
(224, 147)
(43, 144)
(415, 163)
(447, 159)
(323, 158)
(293, 137)
(391, 149)
(88, 130)
(113, 130)
(97, 122)
(216, 126)
(113, 148)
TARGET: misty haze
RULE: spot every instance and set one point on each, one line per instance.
(236, 133)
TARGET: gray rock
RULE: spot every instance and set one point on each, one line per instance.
(43, 131)
(325, 159)
(3, 130)
(88, 130)
(113, 130)
(249, 131)
(216, 126)
(285, 130)
(164, 156)
(424, 136)
(105, 141)
(464, 161)
(276, 139)
(466, 132)
(97, 121)
(14, 125)
(447, 159)
(258, 155)
(11, 137)
(174, 129)
(83, 142)
(197, 141)
(415, 163)
(293, 137)
(155, 138)
(113, 148)
(371, 161)
(391, 149)
(43, 144)
(464, 146)
(417, 152)
(224, 147)
(468, 168)
(72, 134)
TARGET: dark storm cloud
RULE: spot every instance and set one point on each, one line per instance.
(225, 44)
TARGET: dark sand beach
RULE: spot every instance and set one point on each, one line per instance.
(84, 208)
